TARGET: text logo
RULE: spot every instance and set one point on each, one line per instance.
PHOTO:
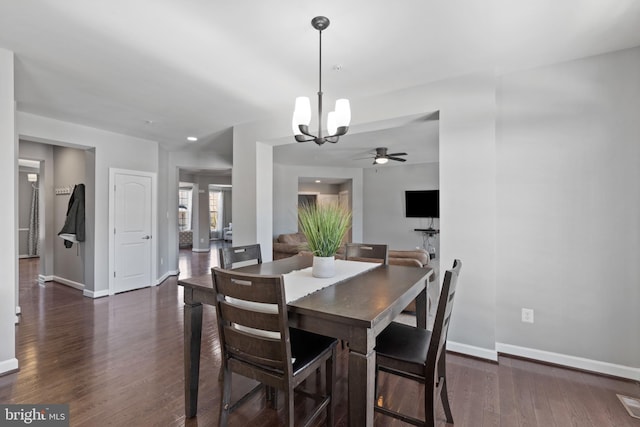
(34, 415)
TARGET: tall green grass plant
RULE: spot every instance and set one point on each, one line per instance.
(324, 226)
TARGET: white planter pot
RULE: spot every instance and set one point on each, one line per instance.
(323, 266)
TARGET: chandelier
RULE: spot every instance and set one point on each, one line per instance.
(337, 120)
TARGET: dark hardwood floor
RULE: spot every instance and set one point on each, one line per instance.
(119, 361)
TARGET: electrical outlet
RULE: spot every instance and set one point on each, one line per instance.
(161, 261)
(527, 315)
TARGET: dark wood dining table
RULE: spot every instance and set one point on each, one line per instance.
(355, 310)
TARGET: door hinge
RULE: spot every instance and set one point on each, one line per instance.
(114, 274)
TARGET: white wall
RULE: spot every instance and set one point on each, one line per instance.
(384, 219)
(186, 159)
(285, 196)
(466, 108)
(568, 211)
(8, 222)
(164, 228)
(68, 263)
(48, 233)
(142, 155)
(467, 184)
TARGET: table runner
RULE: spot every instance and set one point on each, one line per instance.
(300, 283)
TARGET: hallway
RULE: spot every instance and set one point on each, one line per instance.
(195, 263)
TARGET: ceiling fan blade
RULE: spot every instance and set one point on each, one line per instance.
(397, 154)
(397, 159)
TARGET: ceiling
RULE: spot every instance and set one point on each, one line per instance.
(164, 70)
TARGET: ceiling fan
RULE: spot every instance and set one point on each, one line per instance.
(383, 157)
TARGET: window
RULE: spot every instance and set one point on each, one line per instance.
(184, 209)
(215, 208)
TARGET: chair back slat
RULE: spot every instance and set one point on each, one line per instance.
(256, 316)
(443, 313)
(367, 252)
(255, 289)
(239, 254)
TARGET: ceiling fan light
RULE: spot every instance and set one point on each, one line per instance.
(332, 126)
(381, 160)
(343, 113)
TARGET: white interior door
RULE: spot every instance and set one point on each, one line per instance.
(132, 232)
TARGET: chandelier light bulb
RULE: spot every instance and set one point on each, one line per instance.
(301, 114)
(343, 112)
(332, 125)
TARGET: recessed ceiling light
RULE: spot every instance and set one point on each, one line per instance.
(149, 122)
(192, 138)
(318, 181)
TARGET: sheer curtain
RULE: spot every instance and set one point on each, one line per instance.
(33, 241)
(226, 207)
(215, 212)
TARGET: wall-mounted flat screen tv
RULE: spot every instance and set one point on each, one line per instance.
(422, 204)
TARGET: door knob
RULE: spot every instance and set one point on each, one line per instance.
(146, 237)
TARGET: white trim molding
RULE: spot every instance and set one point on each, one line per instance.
(95, 294)
(68, 282)
(8, 366)
(582, 363)
(43, 279)
(166, 275)
(471, 350)
(201, 250)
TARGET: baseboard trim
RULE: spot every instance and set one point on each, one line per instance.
(42, 279)
(581, 363)
(164, 277)
(18, 309)
(95, 294)
(8, 366)
(471, 350)
(67, 282)
(200, 250)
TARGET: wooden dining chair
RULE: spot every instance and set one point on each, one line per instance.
(420, 355)
(367, 252)
(239, 254)
(257, 343)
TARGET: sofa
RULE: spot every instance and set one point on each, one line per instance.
(288, 245)
(185, 238)
(227, 233)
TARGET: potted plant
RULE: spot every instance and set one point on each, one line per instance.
(324, 226)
